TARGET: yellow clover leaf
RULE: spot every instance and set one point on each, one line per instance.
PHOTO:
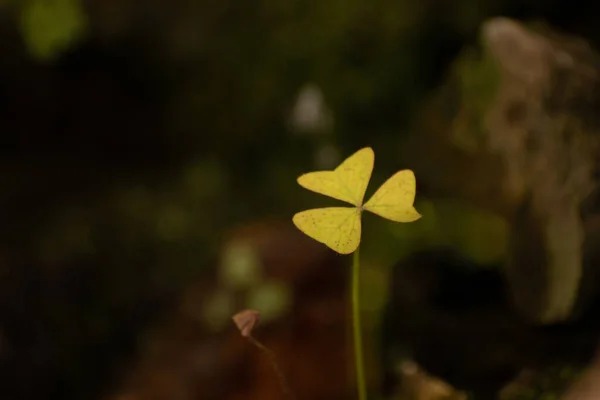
(339, 228)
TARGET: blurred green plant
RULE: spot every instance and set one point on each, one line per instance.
(242, 280)
(272, 297)
(240, 266)
(478, 235)
(51, 26)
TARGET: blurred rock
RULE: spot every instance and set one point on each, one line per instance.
(523, 142)
(419, 385)
(544, 125)
(548, 382)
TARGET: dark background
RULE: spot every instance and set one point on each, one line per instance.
(138, 138)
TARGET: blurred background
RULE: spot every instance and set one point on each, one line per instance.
(149, 154)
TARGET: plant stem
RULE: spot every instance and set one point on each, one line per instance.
(358, 352)
(282, 381)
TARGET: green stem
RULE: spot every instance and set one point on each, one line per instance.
(358, 352)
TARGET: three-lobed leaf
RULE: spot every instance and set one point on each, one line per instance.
(339, 228)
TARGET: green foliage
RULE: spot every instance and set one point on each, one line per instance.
(478, 235)
(243, 285)
(273, 298)
(51, 26)
(240, 266)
